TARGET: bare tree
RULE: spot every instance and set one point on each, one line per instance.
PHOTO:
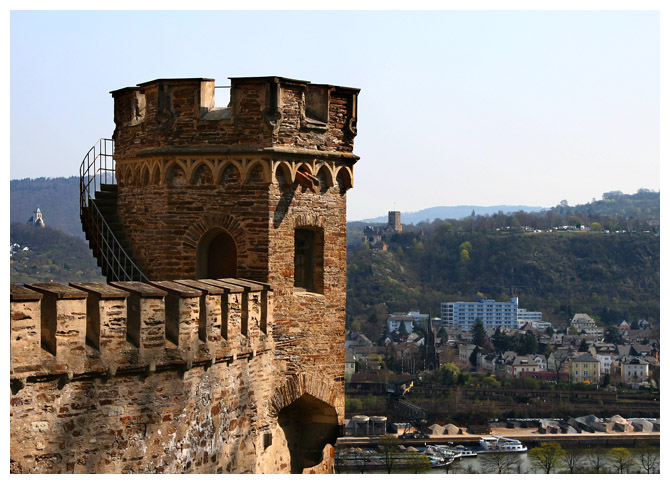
(648, 458)
(596, 460)
(573, 458)
(498, 462)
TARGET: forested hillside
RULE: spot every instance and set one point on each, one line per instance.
(58, 199)
(607, 275)
(643, 205)
(52, 256)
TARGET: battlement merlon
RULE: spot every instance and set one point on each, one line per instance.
(264, 113)
(95, 328)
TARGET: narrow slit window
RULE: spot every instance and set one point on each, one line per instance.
(308, 260)
(304, 259)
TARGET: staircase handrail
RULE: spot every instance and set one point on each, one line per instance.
(99, 165)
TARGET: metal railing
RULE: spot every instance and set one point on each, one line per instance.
(99, 168)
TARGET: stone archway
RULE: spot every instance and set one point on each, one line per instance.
(216, 255)
(207, 235)
(306, 411)
(309, 424)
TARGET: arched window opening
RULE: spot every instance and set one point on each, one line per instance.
(308, 259)
(216, 256)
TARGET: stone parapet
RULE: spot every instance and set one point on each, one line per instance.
(94, 328)
(263, 112)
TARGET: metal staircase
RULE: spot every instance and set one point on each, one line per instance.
(99, 217)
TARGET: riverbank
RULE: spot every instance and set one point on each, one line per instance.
(530, 437)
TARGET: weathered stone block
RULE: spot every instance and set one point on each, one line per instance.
(106, 320)
(146, 319)
(182, 316)
(25, 328)
(63, 323)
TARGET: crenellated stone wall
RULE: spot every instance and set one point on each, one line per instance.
(133, 377)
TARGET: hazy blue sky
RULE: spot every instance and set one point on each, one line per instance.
(456, 107)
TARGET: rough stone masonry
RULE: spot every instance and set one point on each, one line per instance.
(232, 359)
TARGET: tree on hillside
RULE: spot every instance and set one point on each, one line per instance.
(490, 382)
(478, 333)
(389, 447)
(547, 456)
(448, 374)
(583, 346)
(527, 344)
(502, 341)
(612, 335)
(576, 221)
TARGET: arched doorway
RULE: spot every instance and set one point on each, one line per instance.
(308, 424)
(216, 256)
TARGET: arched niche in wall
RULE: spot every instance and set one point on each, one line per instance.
(216, 255)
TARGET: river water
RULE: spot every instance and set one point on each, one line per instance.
(521, 465)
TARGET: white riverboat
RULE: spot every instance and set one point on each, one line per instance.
(497, 443)
(462, 451)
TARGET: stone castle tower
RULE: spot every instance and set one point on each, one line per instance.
(245, 205)
(394, 221)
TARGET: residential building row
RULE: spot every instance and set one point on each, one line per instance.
(630, 363)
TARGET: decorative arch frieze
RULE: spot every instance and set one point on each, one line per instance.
(176, 173)
(344, 178)
(325, 176)
(282, 174)
(146, 176)
(229, 172)
(202, 173)
(156, 173)
(253, 168)
(222, 171)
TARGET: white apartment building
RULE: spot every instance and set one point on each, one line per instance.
(525, 316)
(492, 314)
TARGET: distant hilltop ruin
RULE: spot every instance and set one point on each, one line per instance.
(36, 220)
